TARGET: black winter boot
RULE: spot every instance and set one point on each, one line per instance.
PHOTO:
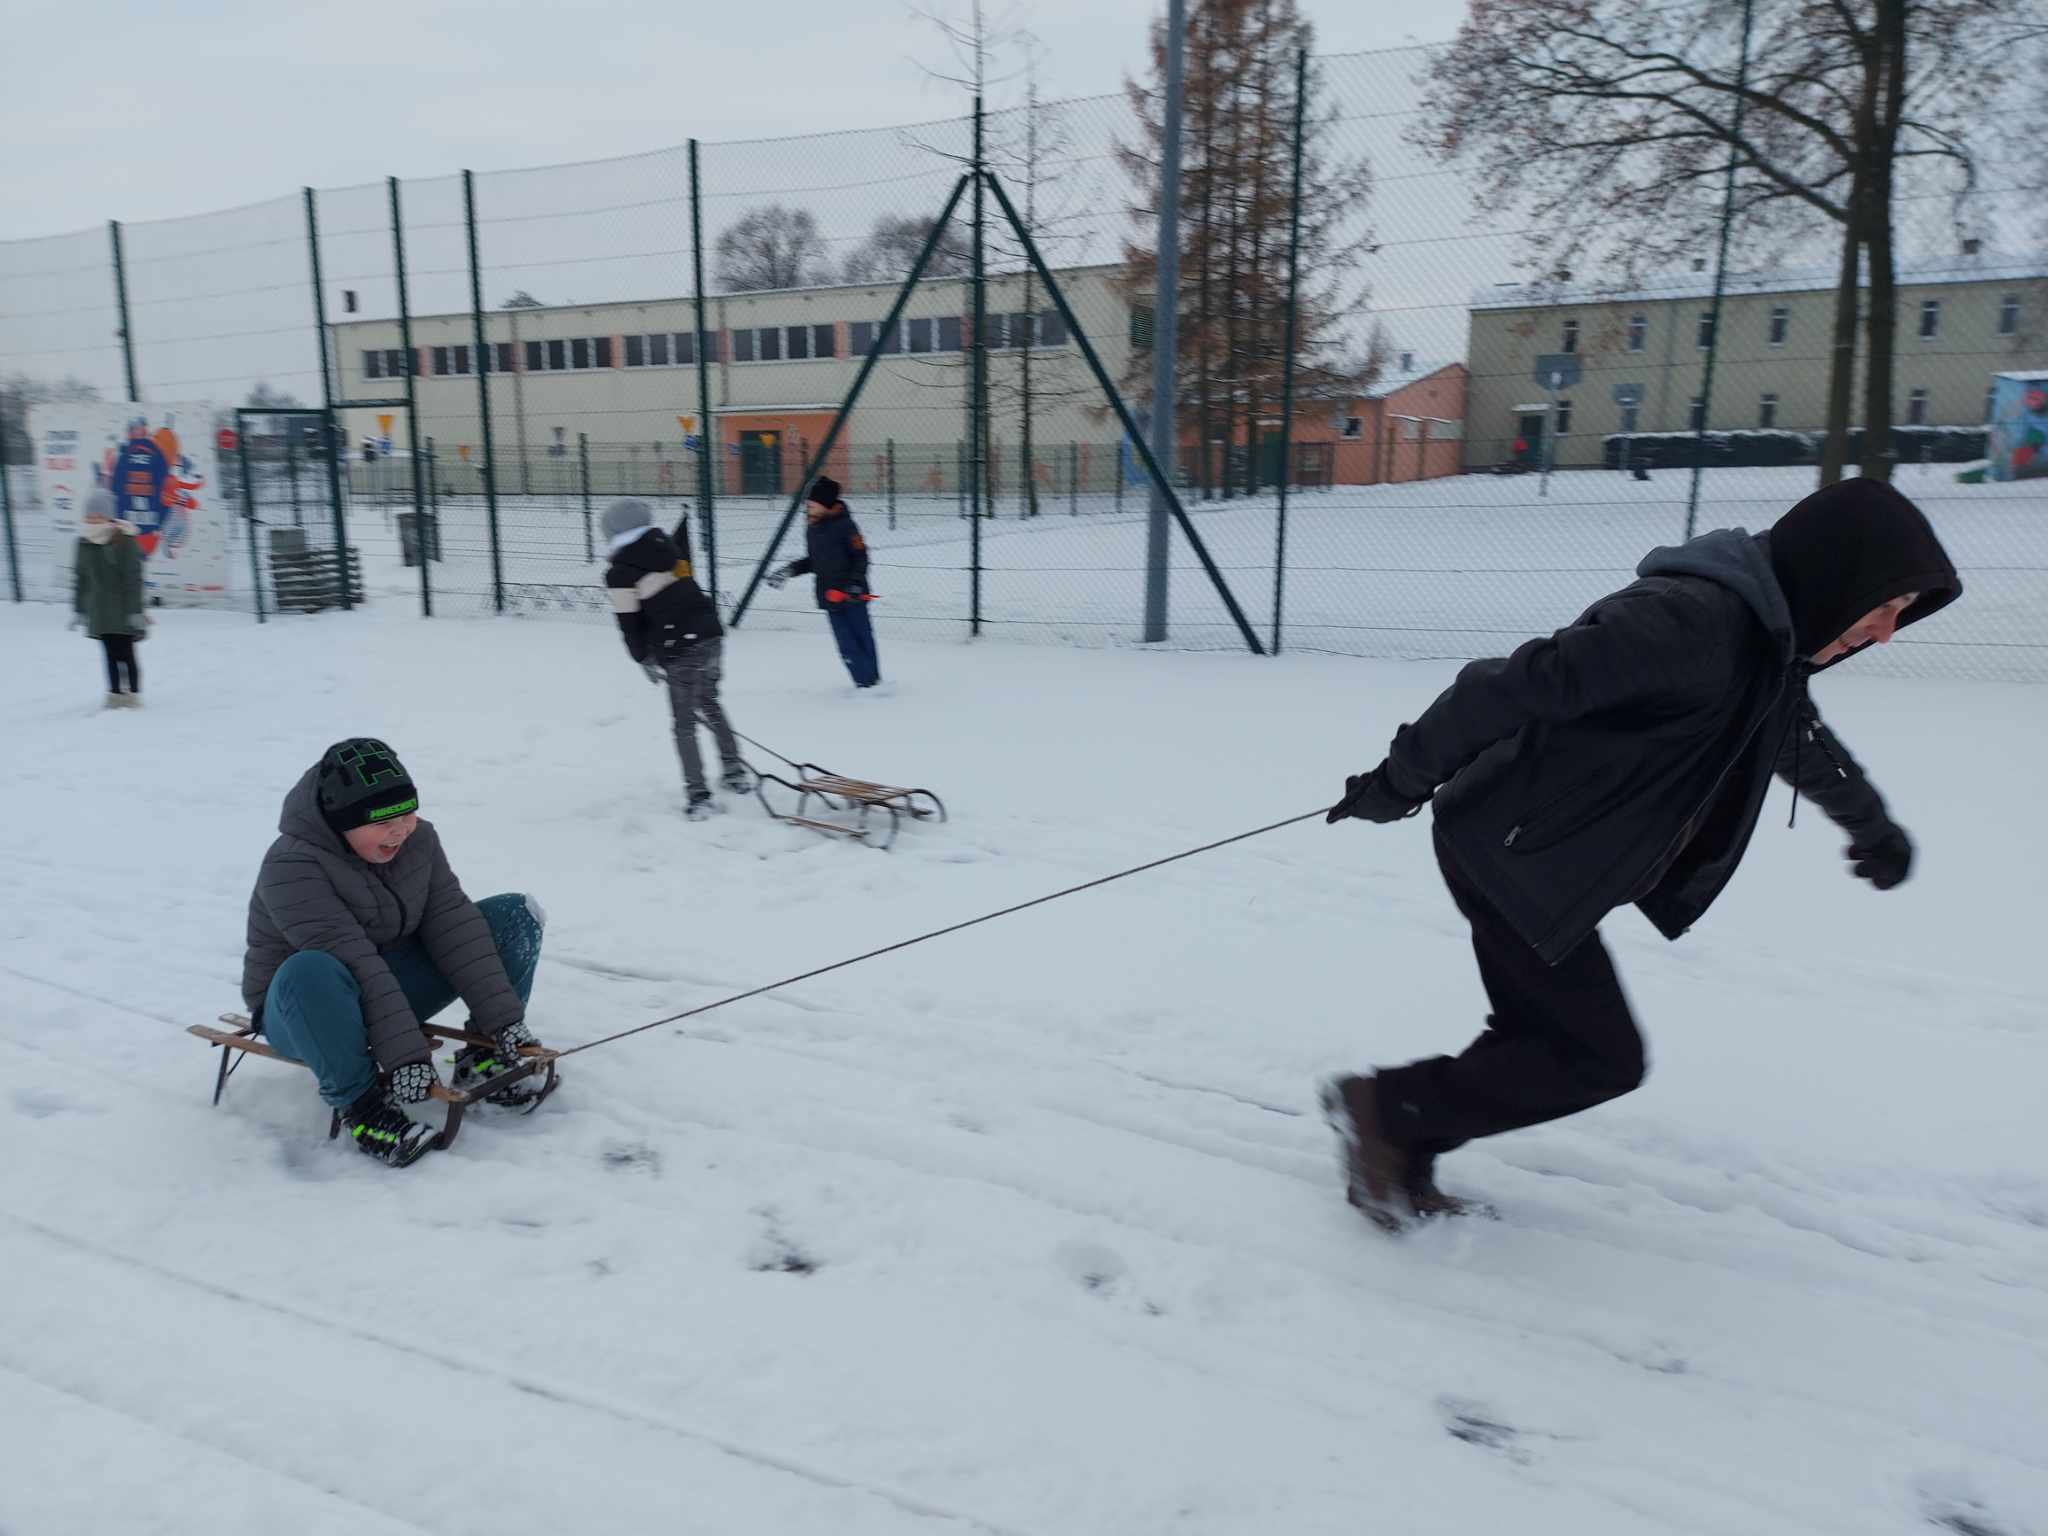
(379, 1127)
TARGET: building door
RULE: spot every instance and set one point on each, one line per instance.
(1272, 457)
(760, 463)
(1529, 438)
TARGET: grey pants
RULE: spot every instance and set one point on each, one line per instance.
(693, 692)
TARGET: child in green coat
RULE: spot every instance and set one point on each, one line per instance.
(106, 596)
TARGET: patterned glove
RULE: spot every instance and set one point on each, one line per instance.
(511, 1038)
(414, 1082)
(1885, 860)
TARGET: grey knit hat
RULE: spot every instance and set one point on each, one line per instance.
(99, 504)
(626, 514)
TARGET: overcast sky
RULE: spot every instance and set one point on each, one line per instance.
(137, 109)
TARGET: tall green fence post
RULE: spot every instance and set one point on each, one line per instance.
(330, 432)
(1287, 351)
(706, 439)
(249, 513)
(121, 300)
(1073, 479)
(412, 413)
(7, 502)
(892, 483)
(291, 469)
(1699, 438)
(583, 472)
(483, 390)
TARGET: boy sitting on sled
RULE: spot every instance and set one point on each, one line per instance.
(358, 930)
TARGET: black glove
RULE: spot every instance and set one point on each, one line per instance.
(1373, 797)
(413, 1083)
(1883, 860)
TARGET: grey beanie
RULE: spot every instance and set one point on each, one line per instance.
(99, 504)
(626, 514)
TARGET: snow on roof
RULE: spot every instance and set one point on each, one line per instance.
(1396, 379)
(1700, 285)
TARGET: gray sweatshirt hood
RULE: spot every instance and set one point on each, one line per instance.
(301, 816)
(1741, 562)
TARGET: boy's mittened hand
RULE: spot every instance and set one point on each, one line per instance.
(777, 579)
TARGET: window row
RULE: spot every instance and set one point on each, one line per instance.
(947, 333)
(1778, 326)
(1766, 413)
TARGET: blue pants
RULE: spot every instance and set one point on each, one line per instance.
(313, 1011)
(856, 637)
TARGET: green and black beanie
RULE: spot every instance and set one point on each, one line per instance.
(362, 783)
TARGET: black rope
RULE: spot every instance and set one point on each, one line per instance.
(987, 917)
(788, 761)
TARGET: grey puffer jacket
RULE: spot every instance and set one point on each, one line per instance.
(313, 893)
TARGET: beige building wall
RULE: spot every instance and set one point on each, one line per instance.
(1776, 341)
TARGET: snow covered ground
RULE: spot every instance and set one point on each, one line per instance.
(1031, 1229)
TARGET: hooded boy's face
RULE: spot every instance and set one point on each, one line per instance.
(816, 511)
(380, 842)
(1875, 627)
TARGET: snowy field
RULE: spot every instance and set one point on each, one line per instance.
(1457, 567)
(1031, 1229)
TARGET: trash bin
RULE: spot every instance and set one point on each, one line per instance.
(409, 536)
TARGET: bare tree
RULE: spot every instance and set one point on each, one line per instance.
(1606, 129)
(18, 394)
(522, 300)
(1238, 97)
(891, 248)
(770, 247)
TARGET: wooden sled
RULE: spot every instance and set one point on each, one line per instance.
(240, 1039)
(855, 797)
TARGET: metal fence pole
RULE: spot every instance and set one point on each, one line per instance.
(977, 360)
(291, 469)
(1699, 451)
(127, 332)
(1073, 479)
(483, 390)
(7, 502)
(892, 483)
(434, 494)
(583, 460)
(1165, 322)
(708, 516)
(1287, 352)
(412, 414)
(331, 437)
(249, 514)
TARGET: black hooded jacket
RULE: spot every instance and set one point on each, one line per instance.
(661, 609)
(835, 558)
(1626, 758)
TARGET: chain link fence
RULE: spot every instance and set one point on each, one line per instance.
(1449, 451)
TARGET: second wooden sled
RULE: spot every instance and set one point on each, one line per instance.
(859, 799)
(240, 1039)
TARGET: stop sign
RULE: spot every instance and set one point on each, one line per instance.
(224, 440)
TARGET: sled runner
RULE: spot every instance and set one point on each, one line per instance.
(240, 1039)
(848, 797)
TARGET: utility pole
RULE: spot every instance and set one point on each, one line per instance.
(1165, 312)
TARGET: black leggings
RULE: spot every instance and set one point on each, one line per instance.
(121, 653)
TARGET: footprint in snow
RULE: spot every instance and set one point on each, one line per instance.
(632, 1157)
(1476, 1424)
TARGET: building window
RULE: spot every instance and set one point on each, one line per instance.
(507, 360)
(1571, 336)
(1141, 327)
(1023, 332)
(1638, 332)
(918, 337)
(558, 356)
(535, 358)
(1930, 319)
(1990, 402)
(1706, 330)
(680, 346)
(373, 365)
(1916, 408)
(1631, 418)
(602, 347)
(1354, 426)
(824, 341)
(860, 337)
(579, 352)
(636, 351)
(441, 362)
(1781, 324)
(1052, 330)
(1696, 417)
(948, 339)
(799, 340)
(1564, 417)
(768, 345)
(743, 346)
(2009, 315)
(1767, 413)
(398, 363)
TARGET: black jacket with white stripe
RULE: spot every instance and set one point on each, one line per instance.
(662, 611)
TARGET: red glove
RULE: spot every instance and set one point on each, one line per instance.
(834, 595)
